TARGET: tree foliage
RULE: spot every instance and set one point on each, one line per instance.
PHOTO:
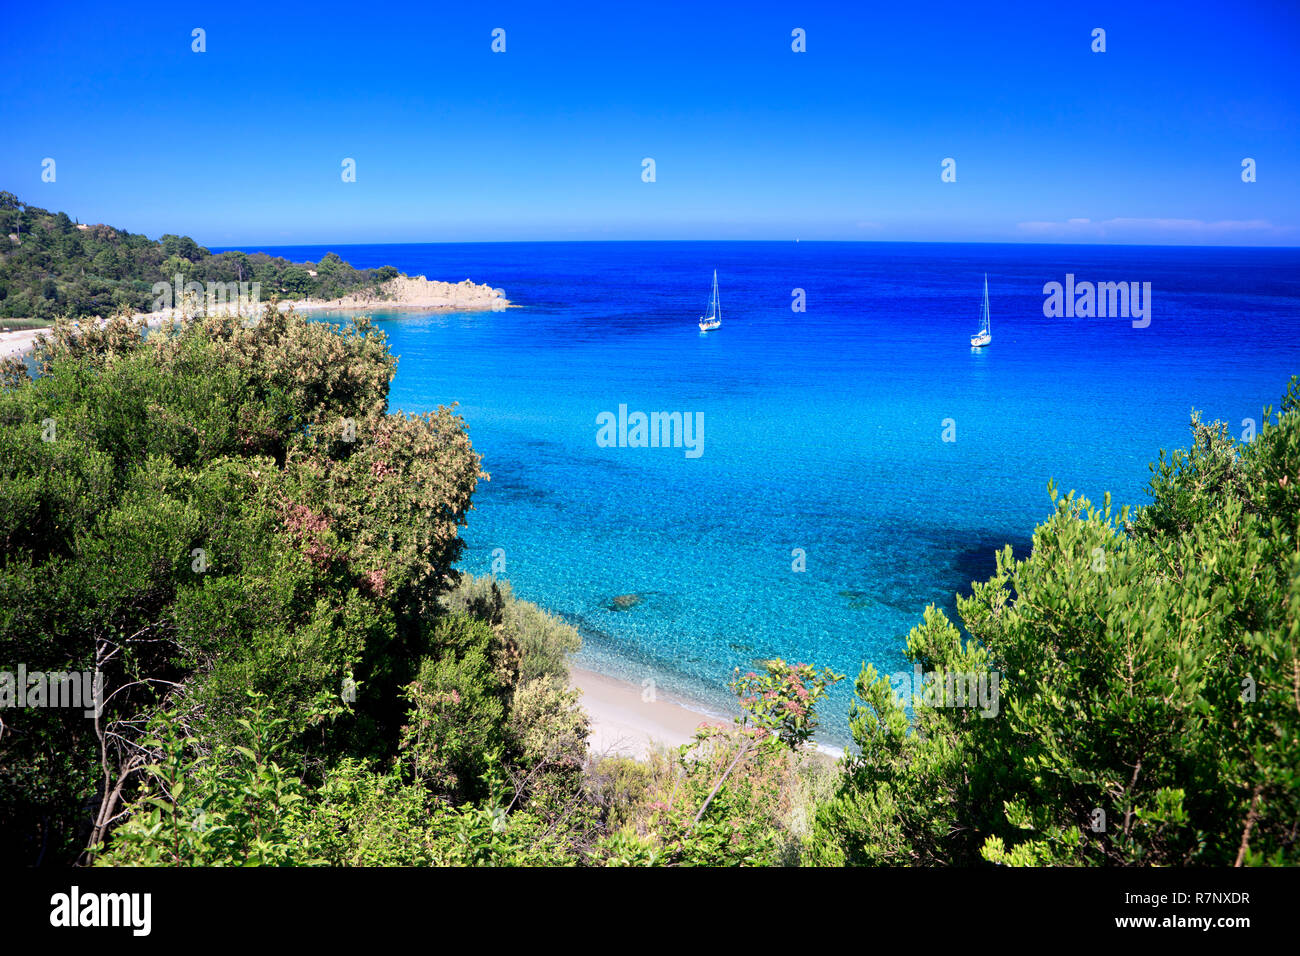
(51, 266)
(186, 514)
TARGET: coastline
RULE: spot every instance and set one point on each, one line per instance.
(19, 342)
(625, 724)
(414, 292)
(404, 293)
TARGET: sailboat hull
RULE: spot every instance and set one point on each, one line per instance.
(979, 341)
(708, 325)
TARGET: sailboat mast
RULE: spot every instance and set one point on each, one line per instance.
(717, 302)
(986, 303)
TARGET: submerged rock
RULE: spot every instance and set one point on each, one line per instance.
(623, 602)
(858, 599)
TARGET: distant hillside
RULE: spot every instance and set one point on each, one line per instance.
(51, 265)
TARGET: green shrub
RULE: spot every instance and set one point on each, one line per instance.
(361, 818)
(545, 642)
(547, 729)
(458, 708)
(218, 508)
(233, 806)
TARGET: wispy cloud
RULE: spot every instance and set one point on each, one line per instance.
(1160, 230)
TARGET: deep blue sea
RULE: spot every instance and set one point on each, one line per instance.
(823, 430)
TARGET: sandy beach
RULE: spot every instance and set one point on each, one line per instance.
(18, 342)
(624, 724)
(413, 293)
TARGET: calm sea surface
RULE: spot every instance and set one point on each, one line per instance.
(823, 430)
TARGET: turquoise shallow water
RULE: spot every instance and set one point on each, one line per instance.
(822, 430)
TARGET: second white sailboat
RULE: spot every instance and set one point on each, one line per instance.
(985, 335)
(714, 318)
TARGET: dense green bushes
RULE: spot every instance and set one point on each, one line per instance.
(544, 641)
(239, 806)
(458, 706)
(198, 525)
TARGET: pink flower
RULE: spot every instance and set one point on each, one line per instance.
(374, 581)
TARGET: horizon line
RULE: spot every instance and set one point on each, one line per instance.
(240, 246)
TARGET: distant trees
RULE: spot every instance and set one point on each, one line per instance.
(175, 265)
(237, 266)
(182, 247)
(296, 282)
(49, 266)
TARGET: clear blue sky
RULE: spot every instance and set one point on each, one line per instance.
(243, 144)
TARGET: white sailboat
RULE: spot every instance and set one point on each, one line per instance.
(714, 318)
(985, 335)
